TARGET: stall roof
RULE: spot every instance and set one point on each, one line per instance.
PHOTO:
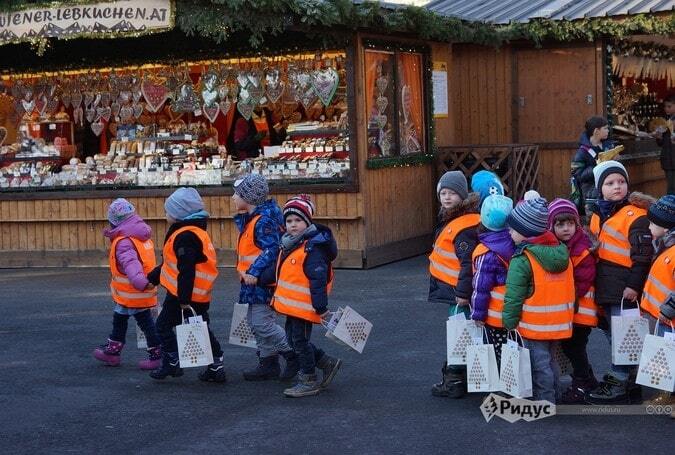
(502, 12)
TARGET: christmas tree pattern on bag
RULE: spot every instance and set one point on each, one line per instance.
(192, 349)
(657, 368)
(463, 341)
(243, 332)
(476, 374)
(631, 344)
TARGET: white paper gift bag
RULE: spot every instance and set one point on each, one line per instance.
(350, 328)
(628, 333)
(561, 361)
(461, 333)
(657, 363)
(481, 368)
(141, 341)
(515, 377)
(240, 332)
(194, 345)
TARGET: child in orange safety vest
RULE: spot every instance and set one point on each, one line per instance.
(564, 221)
(303, 277)
(131, 257)
(187, 272)
(539, 299)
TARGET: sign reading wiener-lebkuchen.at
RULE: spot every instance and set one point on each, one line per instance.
(89, 19)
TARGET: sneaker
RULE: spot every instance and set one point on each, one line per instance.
(154, 359)
(267, 368)
(452, 385)
(214, 372)
(610, 390)
(292, 366)
(306, 386)
(576, 392)
(109, 353)
(170, 367)
(329, 366)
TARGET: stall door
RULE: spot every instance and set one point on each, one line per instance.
(557, 90)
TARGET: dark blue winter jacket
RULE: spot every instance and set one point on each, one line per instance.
(266, 235)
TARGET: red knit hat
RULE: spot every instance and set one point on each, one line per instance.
(300, 205)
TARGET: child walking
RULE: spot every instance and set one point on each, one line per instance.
(539, 299)
(304, 278)
(131, 257)
(657, 296)
(625, 250)
(565, 223)
(490, 263)
(450, 263)
(260, 224)
(187, 272)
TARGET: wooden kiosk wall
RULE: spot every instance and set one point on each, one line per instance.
(389, 215)
(520, 94)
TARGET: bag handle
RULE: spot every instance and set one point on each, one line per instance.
(621, 310)
(182, 312)
(516, 332)
(656, 327)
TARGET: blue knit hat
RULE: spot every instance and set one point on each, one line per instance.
(486, 183)
(494, 211)
(252, 188)
(185, 203)
(662, 212)
(529, 218)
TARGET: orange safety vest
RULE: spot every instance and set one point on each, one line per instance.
(292, 295)
(123, 292)
(660, 283)
(613, 234)
(443, 261)
(496, 305)
(587, 314)
(247, 250)
(205, 272)
(548, 313)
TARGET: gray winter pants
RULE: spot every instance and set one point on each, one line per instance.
(545, 380)
(269, 336)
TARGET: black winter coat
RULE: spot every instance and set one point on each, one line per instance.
(465, 243)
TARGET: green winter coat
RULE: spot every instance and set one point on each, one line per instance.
(553, 257)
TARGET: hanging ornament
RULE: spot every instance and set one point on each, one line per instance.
(274, 86)
(97, 127)
(325, 83)
(155, 94)
(187, 100)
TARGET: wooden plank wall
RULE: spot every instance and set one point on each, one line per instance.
(554, 172)
(57, 227)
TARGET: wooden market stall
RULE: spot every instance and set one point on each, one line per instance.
(542, 93)
(376, 194)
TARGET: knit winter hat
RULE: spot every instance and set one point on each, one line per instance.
(486, 183)
(602, 170)
(559, 206)
(300, 205)
(252, 188)
(494, 211)
(119, 211)
(182, 203)
(529, 218)
(662, 212)
(455, 181)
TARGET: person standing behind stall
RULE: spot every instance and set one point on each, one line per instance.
(665, 141)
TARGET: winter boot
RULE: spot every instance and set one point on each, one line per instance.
(452, 385)
(576, 392)
(611, 390)
(267, 368)
(330, 366)
(306, 386)
(292, 366)
(170, 367)
(109, 353)
(154, 359)
(214, 372)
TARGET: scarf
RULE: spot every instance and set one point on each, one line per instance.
(290, 242)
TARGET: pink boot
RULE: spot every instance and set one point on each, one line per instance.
(154, 359)
(109, 353)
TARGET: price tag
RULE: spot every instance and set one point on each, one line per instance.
(52, 126)
(163, 134)
(188, 137)
(198, 112)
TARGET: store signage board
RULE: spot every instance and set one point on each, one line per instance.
(440, 89)
(101, 19)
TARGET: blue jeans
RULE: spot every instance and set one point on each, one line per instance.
(545, 381)
(621, 372)
(145, 322)
(298, 333)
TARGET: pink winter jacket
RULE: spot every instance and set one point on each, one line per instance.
(125, 254)
(584, 272)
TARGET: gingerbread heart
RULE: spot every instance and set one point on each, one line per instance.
(274, 86)
(104, 113)
(52, 105)
(223, 90)
(211, 112)
(124, 97)
(225, 106)
(382, 103)
(256, 93)
(136, 94)
(255, 78)
(88, 98)
(65, 99)
(97, 100)
(382, 83)
(245, 109)
(3, 134)
(115, 108)
(90, 114)
(381, 120)
(17, 89)
(28, 106)
(76, 100)
(19, 107)
(155, 95)
(138, 110)
(97, 127)
(325, 83)
(41, 105)
(105, 99)
(242, 79)
(126, 112)
(308, 98)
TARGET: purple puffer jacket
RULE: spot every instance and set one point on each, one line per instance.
(490, 270)
(584, 272)
(126, 255)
